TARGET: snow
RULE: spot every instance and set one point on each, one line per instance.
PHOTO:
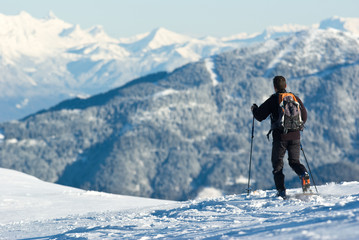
(211, 70)
(278, 59)
(23, 103)
(162, 37)
(31, 208)
(25, 198)
(342, 24)
(12, 141)
(38, 57)
(164, 93)
(209, 192)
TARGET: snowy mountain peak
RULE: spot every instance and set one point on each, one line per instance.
(70, 31)
(97, 30)
(270, 32)
(25, 15)
(160, 37)
(279, 31)
(24, 35)
(50, 53)
(51, 15)
(286, 28)
(342, 24)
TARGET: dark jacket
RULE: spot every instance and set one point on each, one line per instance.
(271, 106)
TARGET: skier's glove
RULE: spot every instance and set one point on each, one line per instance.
(254, 106)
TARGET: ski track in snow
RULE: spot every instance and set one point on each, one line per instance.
(211, 70)
(332, 215)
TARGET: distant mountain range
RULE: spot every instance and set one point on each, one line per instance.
(44, 61)
(172, 133)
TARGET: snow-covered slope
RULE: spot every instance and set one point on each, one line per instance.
(25, 198)
(44, 61)
(168, 135)
(32, 209)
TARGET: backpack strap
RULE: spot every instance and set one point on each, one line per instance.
(279, 98)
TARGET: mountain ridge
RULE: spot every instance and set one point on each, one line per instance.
(45, 61)
(172, 134)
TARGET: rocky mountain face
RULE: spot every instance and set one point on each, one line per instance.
(170, 134)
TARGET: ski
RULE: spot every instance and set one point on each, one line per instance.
(299, 195)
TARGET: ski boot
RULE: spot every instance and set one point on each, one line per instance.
(282, 194)
(305, 180)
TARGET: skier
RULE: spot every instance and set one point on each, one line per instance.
(288, 140)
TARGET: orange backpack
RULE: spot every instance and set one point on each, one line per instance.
(290, 116)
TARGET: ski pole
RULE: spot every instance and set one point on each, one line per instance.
(310, 172)
(250, 160)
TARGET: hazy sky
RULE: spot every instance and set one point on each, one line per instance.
(124, 18)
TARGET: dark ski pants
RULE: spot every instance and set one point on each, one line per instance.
(278, 151)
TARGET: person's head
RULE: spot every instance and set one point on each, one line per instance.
(279, 83)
